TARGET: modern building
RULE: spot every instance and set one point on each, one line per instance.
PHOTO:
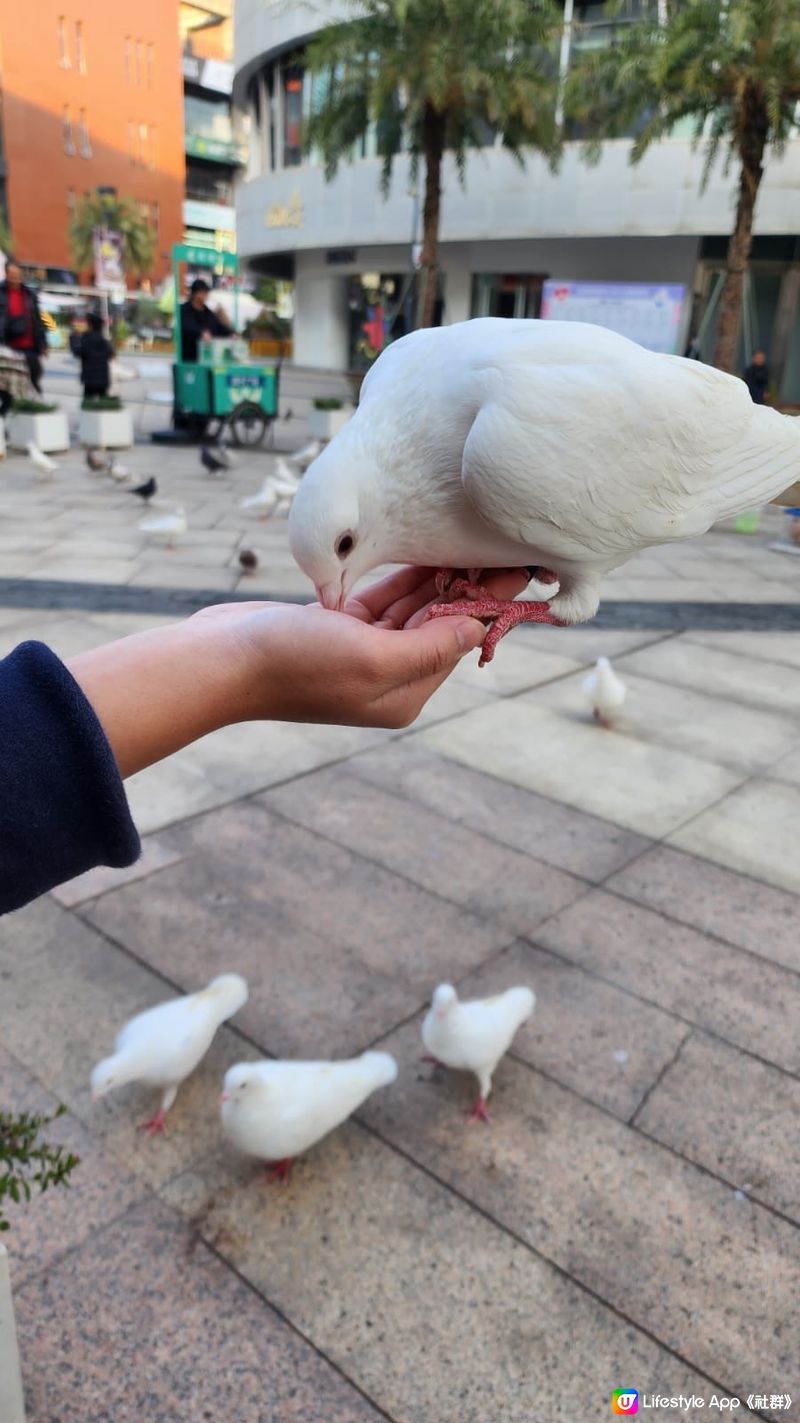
(91, 97)
(506, 232)
(215, 145)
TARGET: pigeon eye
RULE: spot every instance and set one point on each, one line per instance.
(344, 545)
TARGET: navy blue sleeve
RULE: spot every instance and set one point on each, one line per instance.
(62, 804)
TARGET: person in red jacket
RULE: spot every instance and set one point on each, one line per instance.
(21, 325)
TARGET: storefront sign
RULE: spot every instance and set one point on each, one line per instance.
(108, 271)
(216, 74)
(287, 215)
(245, 386)
(648, 314)
(341, 256)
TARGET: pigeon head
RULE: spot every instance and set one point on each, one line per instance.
(231, 990)
(107, 1075)
(336, 533)
(242, 1083)
(444, 1000)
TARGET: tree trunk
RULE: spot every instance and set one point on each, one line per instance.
(435, 129)
(754, 129)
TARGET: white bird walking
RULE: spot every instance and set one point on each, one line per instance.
(164, 1045)
(276, 1110)
(547, 445)
(304, 456)
(475, 1035)
(606, 691)
(166, 527)
(118, 471)
(264, 502)
(43, 462)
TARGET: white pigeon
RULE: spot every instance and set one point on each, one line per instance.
(473, 1036)
(606, 691)
(264, 502)
(276, 1110)
(118, 471)
(284, 478)
(162, 1046)
(545, 445)
(304, 456)
(166, 527)
(43, 462)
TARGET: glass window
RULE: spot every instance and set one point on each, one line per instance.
(66, 125)
(80, 51)
(292, 118)
(151, 65)
(129, 59)
(139, 62)
(83, 136)
(207, 118)
(72, 202)
(63, 48)
(142, 143)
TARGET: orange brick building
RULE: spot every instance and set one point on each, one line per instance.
(92, 96)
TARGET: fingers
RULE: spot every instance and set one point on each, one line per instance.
(372, 603)
(431, 651)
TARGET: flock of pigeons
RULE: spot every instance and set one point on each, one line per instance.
(275, 1110)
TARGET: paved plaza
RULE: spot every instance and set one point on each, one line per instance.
(630, 1219)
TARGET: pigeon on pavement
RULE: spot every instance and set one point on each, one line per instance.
(146, 490)
(43, 462)
(474, 1035)
(606, 692)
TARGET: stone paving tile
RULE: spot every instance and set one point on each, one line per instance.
(335, 949)
(763, 646)
(459, 864)
(548, 831)
(754, 830)
(644, 1229)
(66, 993)
(714, 728)
(771, 686)
(60, 1219)
(787, 769)
(166, 793)
(748, 1001)
(160, 575)
(584, 643)
(145, 1323)
(734, 1115)
(589, 1035)
(89, 570)
(746, 913)
(648, 788)
(156, 854)
(426, 1305)
(518, 667)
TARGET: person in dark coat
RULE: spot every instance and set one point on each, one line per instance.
(197, 322)
(756, 378)
(96, 354)
(21, 325)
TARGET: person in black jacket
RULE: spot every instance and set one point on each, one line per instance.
(96, 354)
(21, 325)
(197, 322)
(756, 378)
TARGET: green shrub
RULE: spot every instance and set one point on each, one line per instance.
(101, 402)
(26, 1161)
(32, 407)
(328, 402)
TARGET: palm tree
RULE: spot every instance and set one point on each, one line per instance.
(432, 75)
(98, 210)
(733, 68)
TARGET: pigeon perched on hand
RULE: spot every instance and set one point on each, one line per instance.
(43, 462)
(605, 691)
(551, 445)
(146, 490)
(276, 1110)
(474, 1035)
(162, 1046)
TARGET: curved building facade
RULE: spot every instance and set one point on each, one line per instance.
(505, 234)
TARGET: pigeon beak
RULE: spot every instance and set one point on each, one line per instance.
(224, 1097)
(331, 595)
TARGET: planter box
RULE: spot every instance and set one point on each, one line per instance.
(324, 424)
(10, 1377)
(108, 429)
(50, 432)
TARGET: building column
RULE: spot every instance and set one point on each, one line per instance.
(785, 321)
(320, 316)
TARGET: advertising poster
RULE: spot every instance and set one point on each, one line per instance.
(651, 315)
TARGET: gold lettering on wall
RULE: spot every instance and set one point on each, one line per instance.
(289, 214)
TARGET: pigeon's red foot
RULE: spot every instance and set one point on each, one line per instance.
(503, 614)
(154, 1125)
(279, 1170)
(600, 719)
(478, 1113)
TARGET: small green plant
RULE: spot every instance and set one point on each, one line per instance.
(328, 402)
(101, 402)
(27, 1161)
(24, 406)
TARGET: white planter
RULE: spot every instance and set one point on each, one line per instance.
(50, 432)
(108, 429)
(324, 424)
(10, 1377)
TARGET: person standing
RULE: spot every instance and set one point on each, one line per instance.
(95, 355)
(21, 325)
(756, 378)
(198, 323)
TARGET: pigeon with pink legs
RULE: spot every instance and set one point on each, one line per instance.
(474, 1036)
(162, 1046)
